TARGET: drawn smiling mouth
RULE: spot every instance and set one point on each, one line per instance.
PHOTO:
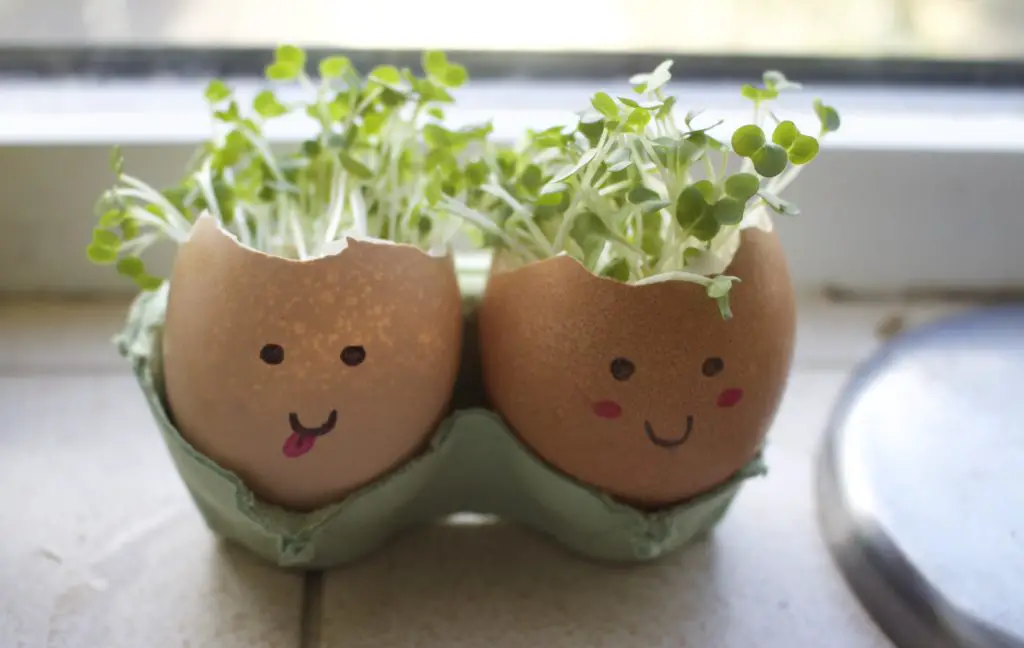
(668, 442)
(303, 438)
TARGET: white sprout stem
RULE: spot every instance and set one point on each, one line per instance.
(567, 222)
(662, 171)
(143, 191)
(242, 226)
(779, 184)
(143, 216)
(524, 215)
(367, 101)
(297, 236)
(138, 245)
(261, 146)
(359, 215)
(336, 208)
(204, 178)
(282, 220)
(610, 189)
(709, 168)
(472, 216)
(675, 275)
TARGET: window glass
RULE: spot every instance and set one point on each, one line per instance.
(928, 29)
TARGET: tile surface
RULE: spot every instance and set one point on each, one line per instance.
(101, 545)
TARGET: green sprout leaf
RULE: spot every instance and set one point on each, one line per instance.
(387, 75)
(291, 55)
(130, 267)
(720, 286)
(748, 140)
(116, 161)
(718, 290)
(728, 211)
(435, 64)
(803, 150)
(105, 238)
(706, 189)
(217, 91)
(584, 160)
(334, 67)
(639, 195)
(758, 95)
(455, 76)
(148, 282)
(281, 71)
(638, 119)
(111, 218)
(101, 255)
(652, 242)
(129, 229)
(652, 82)
(706, 228)
(355, 167)
(770, 161)
(605, 105)
(267, 105)
(777, 81)
(690, 206)
(742, 186)
(827, 116)
(785, 134)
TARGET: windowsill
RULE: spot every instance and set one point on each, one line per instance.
(919, 189)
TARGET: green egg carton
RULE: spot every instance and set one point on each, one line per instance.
(472, 464)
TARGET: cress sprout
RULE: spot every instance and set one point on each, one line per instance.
(378, 165)
(639, 197)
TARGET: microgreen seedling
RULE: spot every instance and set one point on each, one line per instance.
(639, 197)
(377, 164)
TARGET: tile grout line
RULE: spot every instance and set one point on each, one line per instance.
(311, 610)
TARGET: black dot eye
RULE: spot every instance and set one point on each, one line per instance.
(353, 355)
(622, 369)
(712, 367)
(272, 354)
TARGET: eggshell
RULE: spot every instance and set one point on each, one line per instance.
(659, 430)
(232, 400)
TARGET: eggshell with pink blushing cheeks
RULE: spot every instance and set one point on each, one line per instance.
(644, 392)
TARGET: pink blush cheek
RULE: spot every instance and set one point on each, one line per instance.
(608, 409)
(730, 397)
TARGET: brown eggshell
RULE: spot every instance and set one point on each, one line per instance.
(551, 331)
(226, 302)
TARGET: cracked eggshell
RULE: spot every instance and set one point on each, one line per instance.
(309, 378)
(644, 392)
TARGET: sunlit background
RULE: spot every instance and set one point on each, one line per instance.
(958, 29)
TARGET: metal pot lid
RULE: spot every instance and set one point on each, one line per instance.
(921, 483)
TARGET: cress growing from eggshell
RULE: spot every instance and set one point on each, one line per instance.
(376, 166)
(599, 346)
(639, 197)
(313, 323)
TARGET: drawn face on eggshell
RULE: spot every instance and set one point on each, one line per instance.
(308, 379)
(644, 392)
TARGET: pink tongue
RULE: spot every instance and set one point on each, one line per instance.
(298, 445)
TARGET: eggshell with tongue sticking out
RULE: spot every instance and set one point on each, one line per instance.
(308, 378)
